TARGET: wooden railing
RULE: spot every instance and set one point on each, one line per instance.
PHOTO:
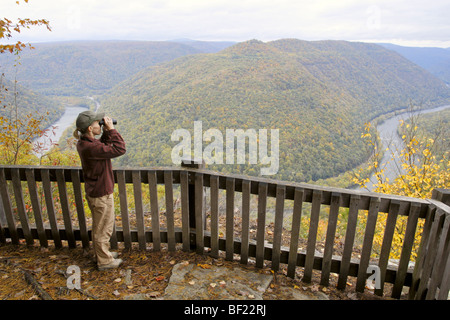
(191, 208)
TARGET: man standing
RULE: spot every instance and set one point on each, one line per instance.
(96, 155)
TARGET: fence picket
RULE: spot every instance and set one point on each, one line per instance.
(8, 209)
(387, 242)
(154, 208)
(184, 186)
(214, 190)
(278, 227)
(439, 263)
(430, 254)
(137, 188)
(246, 185)
(418, 267)
(329, 242)
(295, 231)
(312, 235)
(408, 243)
(168, 185)
(64, 200)
(261, 228)
(229, 230)
(34, 196)
(75, 174)
(120, 174)
(20, 203)
(367, 243)
(348, 241)
(445, 283)
(46, 184)
(199, 221)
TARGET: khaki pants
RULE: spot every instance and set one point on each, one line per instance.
(102, 209)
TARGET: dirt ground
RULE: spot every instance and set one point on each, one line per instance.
(143, 274)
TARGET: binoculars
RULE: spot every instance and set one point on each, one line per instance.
(102, 122)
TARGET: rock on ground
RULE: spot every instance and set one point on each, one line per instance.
(200, 282)
(205, 282)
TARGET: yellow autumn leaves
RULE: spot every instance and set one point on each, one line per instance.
(423, 166)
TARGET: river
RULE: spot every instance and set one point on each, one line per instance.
(55, 131)
(390, 139)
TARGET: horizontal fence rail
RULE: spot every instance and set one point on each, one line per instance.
(249, 218)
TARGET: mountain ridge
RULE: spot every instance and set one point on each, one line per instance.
(83, 68)
(435, 60)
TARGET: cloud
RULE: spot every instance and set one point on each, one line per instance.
(370, 20)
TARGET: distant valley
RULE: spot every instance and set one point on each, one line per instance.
(318, 94)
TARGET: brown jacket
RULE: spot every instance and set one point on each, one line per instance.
(96, 158)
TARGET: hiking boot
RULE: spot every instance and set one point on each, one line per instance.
(115, 264)
(113, 254)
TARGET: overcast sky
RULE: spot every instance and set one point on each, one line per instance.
(410, 23)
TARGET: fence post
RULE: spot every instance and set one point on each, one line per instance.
(442, 195)
(194, 164)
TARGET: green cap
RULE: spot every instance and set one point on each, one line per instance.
(86, 118)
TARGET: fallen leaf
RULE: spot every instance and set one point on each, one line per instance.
(159, 278)
(204, 266)
(250, 296)
(192, 282)
(213, 285)
(116, 293)
(117, 280)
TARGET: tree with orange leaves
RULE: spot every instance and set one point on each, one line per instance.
(17, 131)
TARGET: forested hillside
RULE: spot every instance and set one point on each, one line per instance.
(318, 94)
(87, 67)
(27, 102)
(435, 60)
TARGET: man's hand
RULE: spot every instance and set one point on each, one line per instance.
(108, 123)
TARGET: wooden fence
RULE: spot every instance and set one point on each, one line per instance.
(184, 209)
